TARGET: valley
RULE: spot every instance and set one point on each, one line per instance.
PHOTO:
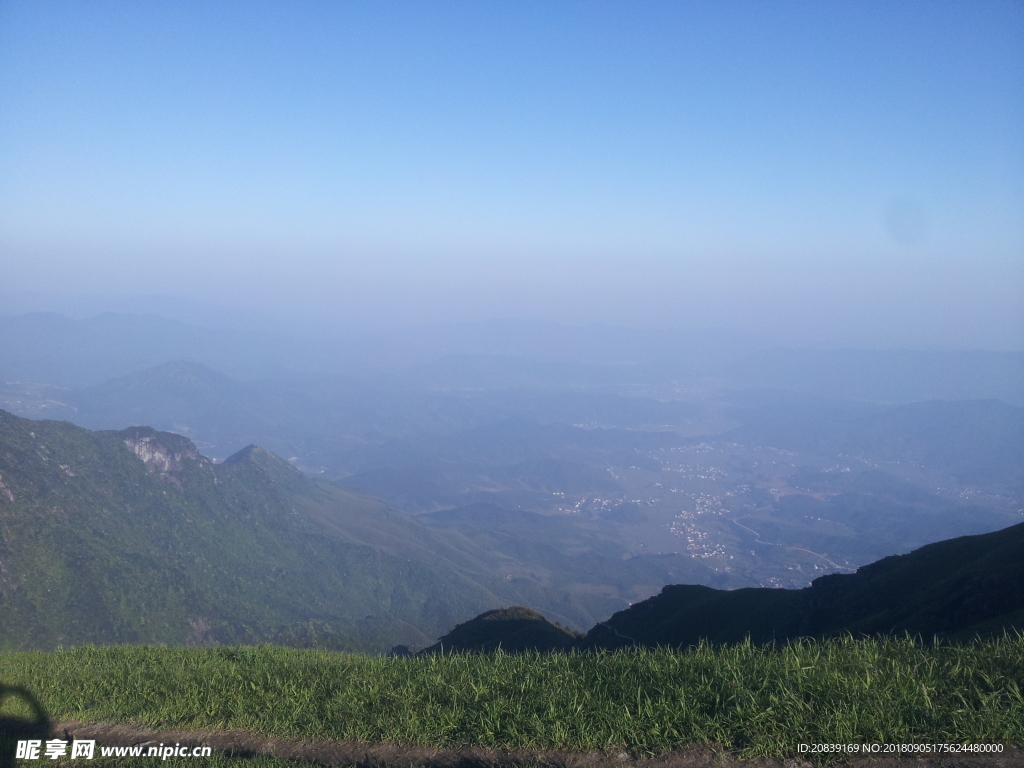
(578, 490)
(511, 384)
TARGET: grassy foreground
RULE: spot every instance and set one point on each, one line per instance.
(749, 699)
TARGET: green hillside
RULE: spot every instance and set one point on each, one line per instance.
(133, 536)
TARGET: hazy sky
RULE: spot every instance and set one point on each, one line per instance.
(824, 172)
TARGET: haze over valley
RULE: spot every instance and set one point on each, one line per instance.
(439, 309)
(577, 486)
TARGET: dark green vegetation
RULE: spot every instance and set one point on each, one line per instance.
(746, 698)
(957, 589)
(513, 630)
(973, 585)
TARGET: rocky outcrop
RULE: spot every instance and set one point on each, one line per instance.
(162, 452)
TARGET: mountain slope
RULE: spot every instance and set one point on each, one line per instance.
(953, 588)
(133, 536)
(513, 630)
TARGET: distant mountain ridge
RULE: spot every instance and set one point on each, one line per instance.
(46, 347)
(975, 440)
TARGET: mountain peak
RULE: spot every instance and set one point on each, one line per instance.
(251, 453)
(267, 464)
(513, 630)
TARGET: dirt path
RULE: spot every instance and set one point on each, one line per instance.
(340, 753)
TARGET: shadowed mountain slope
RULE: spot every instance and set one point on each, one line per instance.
(513, 630)
(955, 588)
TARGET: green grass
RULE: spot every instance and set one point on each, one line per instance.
(751, 700)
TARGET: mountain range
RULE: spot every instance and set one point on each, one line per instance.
(46, 347)
(134, 536)
(972, 586)
(575, 471)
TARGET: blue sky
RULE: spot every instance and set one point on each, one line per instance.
(826, 173)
